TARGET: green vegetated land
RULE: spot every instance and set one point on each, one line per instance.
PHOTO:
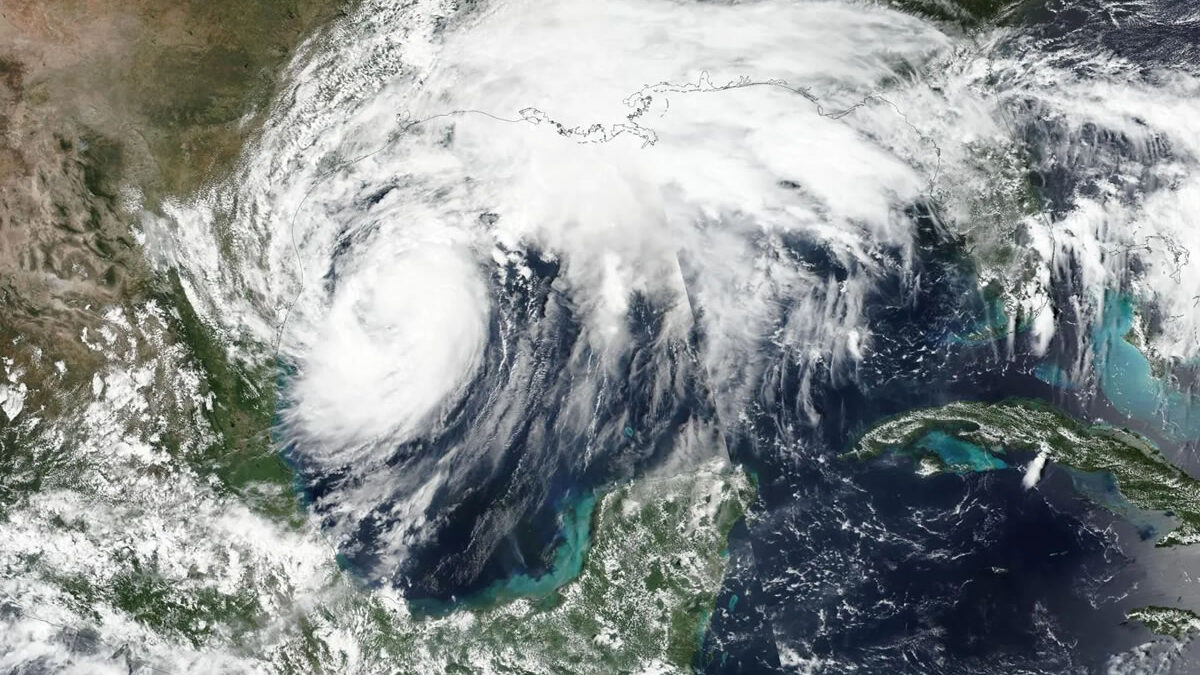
(1144, 477)
(242, 455)
(967, 13)
(1168, 621)
(640, 602)
(196, 132)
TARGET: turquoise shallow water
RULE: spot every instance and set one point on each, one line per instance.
(575, 534)
(991, 325)
(1101, 488)
(575, 530)
(1128, 382)
(958, 454)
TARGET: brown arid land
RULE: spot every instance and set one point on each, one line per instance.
(106, 108)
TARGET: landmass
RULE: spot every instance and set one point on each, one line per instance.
(1143, 475)
(641, 601)
(1167, 621)
(106, 108)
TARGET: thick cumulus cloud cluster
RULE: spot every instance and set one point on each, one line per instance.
(1108, 158)
(515, 129)
(687, 187)
(399, 334)
(1129, 220)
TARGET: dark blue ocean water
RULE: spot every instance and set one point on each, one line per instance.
(871, 568)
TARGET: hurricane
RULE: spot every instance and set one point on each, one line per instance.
(775, 336)
(509, 259)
